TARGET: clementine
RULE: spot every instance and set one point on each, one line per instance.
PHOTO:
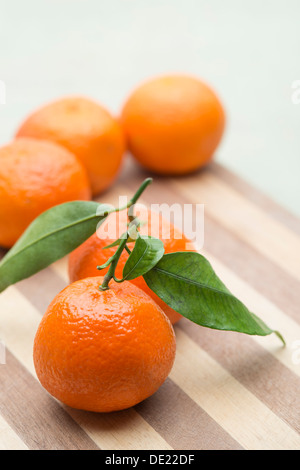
(34, 176)
(84, 260)
(86, 129)
(173, 124)
(103, 350)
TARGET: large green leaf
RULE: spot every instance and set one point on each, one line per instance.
(188, 284)
(145, 255)
(52, 235)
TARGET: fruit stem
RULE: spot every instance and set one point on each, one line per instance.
(111, 272)
(113, 261)
(128, 250)
(136, 196)
(140, 191)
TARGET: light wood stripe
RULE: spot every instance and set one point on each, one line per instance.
(239, 412)
(18, 326)
(9, 440)
(121, 430)
(19, 323)
(240, 216)
(256, 196)
(60, 268)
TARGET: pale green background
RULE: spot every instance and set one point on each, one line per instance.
(248, 50)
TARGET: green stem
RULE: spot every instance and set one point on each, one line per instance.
(111, 272)
(113, 261)
(136, 196)
(140, 191)
(128, 250)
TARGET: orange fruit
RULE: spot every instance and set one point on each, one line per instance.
(87, 130)
(34, 176)
(173, 124)
(84, 260)
(103, 350)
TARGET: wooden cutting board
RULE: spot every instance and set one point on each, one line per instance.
(226, 390)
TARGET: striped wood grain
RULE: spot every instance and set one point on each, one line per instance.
(226, 390)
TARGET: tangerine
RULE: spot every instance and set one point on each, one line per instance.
(86, 129)
(173, 124)
(103, 350)
(34, 176)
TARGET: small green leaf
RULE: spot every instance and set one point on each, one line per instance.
(118, 241)
(52, 235)
(145, 255)
(189, 285)
(115, 243)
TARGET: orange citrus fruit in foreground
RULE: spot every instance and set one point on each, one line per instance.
(34, 176)
(103, 351)
(87, 130)
(173, 124)
(84, 260)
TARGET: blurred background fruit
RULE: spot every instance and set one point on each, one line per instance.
(84, 260)
(114, 49)
(86, 129)
(34, 176)
(173, 124)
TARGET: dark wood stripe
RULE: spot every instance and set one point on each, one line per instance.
(183, 424)
(260, 372)
(37, 418)
(267, 278)
(256, 196)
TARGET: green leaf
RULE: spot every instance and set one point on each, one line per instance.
(189, 285)
(145, 255)
(52, 235)
(115, 243)
(118, 242)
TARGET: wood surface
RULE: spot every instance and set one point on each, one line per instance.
(226, 390)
